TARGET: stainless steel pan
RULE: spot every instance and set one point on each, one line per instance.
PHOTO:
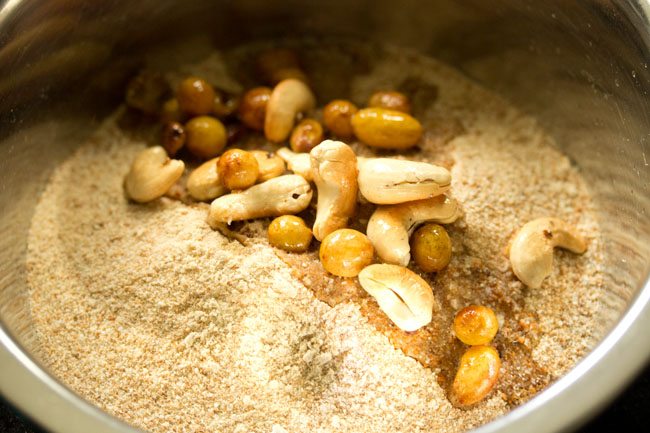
(581, 67)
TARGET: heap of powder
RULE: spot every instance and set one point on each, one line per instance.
(149, 314)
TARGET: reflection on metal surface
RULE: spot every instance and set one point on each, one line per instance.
(72, 61)
(580, 67)
(20, 47)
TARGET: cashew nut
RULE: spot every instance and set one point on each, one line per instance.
(152, 174)
(270, 165)
(531, 251)
(282, 195)
(289, 97)
(334, 169)
(403, 295)
(299, 163)
(391, 226)
(203, 183)
(391, 181)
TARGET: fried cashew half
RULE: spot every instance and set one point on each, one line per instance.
(270, 165)
(391, 226)
(334, 170)
(402, 294)
(203, 183)
(152, 174)
(531, 251)
(391, 181)
(299, 163)
(289, 97)
(282, 195)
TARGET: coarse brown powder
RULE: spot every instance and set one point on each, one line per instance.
(151, 315)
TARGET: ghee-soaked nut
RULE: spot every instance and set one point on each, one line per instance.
(299, 163)
(531, 252)
(206, 136)
(282, 195)
(386, 129)
(345, 252)
(406, 298)
(203, 183)
(431, 247)
(252, 110)
(290, 233)
(146, 92)
(476, 325)
(306, 135)
(337, 117)
(152, 174)
(478, 372)
(334, 170)
(173, 137)
(195, 96)
(390, 226)
(270, 165)
(238, 169)
(390, 99)
(289, 98)
(391, 181)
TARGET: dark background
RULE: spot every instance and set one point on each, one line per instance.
(630, 413)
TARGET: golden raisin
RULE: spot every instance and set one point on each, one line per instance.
(171, 112)
(345, 252)
(206, 136)
(431, 247)
(195, 96)
(392, 100)
(173, 137)
(146, 92)
(237, 169)
(475, 325)
(337, 117)
(225, 104)
(290, 233)
(306, 135)
(386, 129)
(478, 371)
(252, 109)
